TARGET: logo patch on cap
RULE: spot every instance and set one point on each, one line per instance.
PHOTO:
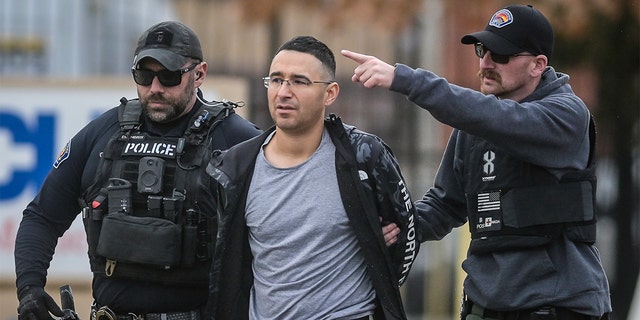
(159, 37)
(501, 18)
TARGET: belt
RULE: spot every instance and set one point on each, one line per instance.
(541, 313)
(105, 313)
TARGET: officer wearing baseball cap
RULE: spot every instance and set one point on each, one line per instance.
(518, 170)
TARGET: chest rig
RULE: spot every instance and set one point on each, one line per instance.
(513, 204)
(143, 213)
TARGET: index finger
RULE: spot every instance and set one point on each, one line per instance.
(357, 57)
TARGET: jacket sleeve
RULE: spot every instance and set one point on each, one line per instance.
(395, 206)
(550, 128)
(51, 212)
(443, 207)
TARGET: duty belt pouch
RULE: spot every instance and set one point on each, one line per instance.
(143, 240)
(92, 220)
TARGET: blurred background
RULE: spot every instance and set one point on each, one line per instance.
(62, 62)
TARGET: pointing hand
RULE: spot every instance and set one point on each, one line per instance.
(371, 71)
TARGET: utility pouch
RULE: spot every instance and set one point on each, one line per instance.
(92, 220)
(189, 244)
(143, 240)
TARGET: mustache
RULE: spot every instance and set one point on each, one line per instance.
(155, 97)
(489, 74)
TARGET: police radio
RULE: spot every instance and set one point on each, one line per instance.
(150, 172)
(119, 195)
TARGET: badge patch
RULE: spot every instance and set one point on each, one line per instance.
(63, 155)
(488, 166)
(501, 18)
(150, 148)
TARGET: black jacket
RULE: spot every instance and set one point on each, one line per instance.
(56, 205)
(383, 195)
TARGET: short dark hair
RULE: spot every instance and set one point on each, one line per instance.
(315, 47)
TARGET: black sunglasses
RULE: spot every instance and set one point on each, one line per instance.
(167, 78)
(481, 50)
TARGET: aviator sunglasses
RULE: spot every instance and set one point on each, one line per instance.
(167, 78)
(481, 50)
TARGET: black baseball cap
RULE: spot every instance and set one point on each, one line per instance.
(515, 29)
(171, 43)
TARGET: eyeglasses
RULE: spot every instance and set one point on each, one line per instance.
(167, 78)
(276, 82)
(481, 50)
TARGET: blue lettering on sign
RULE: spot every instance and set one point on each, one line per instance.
(41, 136)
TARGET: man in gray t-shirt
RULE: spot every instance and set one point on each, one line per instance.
(300, 237)
(307, 207)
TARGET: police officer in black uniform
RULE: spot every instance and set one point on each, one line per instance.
(132, 174)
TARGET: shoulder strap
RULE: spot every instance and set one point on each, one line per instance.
(198, 138)
(204, 121)
(129, 112)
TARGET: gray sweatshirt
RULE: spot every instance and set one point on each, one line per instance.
(550, 129)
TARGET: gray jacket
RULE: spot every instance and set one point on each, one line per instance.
(549, 129)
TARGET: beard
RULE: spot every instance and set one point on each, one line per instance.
(174, 106)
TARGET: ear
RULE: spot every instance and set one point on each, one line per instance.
(539, 65)
(331, 93)
(201, 74)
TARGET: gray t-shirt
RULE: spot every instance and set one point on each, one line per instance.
(307, 262)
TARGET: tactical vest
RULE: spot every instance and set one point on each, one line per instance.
(513, 204)
(142, 213)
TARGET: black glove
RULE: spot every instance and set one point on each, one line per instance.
(36, 304)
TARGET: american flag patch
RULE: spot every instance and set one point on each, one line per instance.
(489, 201)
